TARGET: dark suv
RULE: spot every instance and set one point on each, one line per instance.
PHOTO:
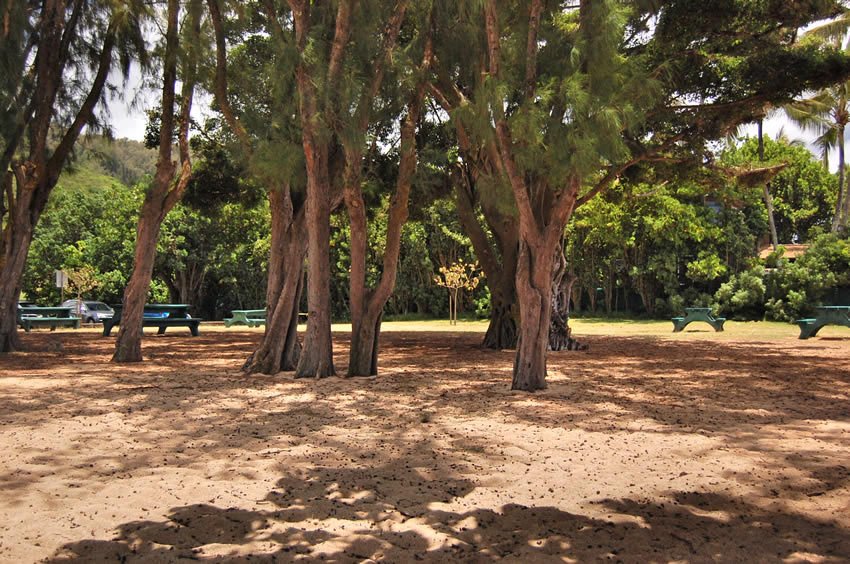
(89, 312)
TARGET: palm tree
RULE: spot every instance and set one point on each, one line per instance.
(826, 114)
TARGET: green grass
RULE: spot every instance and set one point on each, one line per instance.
(733, 330)
(601, 327)
(424, 325)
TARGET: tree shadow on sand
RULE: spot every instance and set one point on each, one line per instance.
(389, 514)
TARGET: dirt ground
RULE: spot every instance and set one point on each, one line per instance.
(642, 450)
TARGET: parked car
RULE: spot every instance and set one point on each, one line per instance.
(89, 312)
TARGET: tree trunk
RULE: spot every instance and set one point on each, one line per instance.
(499, 264)
(534, 290)
(838, 223)
(576, 296)
(502, 330)
(128, 345)
(279, 350)
(317, 355)
(367, 306)
(17, 238)
(768, 200)
(363, 360)
(560, 334)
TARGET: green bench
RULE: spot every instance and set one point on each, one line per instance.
(826, 315)
(161, 316)
(249, 317)
(698, 314)
(52, 317)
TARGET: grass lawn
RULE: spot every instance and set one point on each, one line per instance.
(585, 326)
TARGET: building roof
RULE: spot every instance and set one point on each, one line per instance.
(792, 251)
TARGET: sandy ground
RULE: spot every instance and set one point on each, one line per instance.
(643, 449)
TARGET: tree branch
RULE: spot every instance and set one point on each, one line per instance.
(221, 97)
(57, 160)
(531, 48)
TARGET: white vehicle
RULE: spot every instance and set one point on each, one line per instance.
(89, 312)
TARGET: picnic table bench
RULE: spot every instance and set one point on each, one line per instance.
(53, 317)
(254, 317)
(698, 314)
(161, 316)
(249, 317)
(826, 315)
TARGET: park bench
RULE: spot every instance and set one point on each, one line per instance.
(249, 317)
(826, 315)
(52, 317)
(698, 314)
(161, 316)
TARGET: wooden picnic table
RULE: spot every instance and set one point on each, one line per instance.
(161, 316)
(249, 317)
(53, 317)
(825, 315)
(698, 314)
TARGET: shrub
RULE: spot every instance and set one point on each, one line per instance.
(742, 297)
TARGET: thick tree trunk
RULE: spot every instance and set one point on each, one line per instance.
(17, 243)
(502, 330)
(363, 360)
(128, 345)
(316, 359)
(279, 350)
(499, 264)
(534, 290)
(560, 334)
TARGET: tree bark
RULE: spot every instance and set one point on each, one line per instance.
(128, 346)
(317, 355)
(17, 240)
(560, 334)
(279, 350)
(316, 358)
(534, 290)
(499, 264)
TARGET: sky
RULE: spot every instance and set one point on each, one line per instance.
(128, 114)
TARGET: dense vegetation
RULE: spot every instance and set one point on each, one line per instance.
(640, 249)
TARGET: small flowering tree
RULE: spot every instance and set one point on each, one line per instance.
(82, 280)
(456, 277)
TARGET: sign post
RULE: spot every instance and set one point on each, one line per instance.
(61, 283)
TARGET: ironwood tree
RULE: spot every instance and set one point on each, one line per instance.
(263, 118)
(573, 96)
(56, 59)
(182, 49)
(367, 304)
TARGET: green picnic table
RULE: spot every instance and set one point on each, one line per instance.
(826, 315)
(698, 314)
(53, 317)
(161, 316)
(249, 317)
